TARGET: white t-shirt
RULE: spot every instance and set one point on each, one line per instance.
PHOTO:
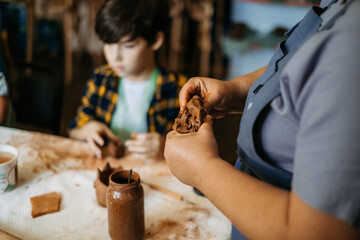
(130, 115)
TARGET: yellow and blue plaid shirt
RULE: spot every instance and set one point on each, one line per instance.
(100, 96)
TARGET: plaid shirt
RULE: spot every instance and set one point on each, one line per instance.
(100, 97)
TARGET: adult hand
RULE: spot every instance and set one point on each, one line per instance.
(215, 93)
(146, 145)
(95, 134)
(186, 154)
(221, 97)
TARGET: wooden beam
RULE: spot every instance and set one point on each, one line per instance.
(30, 30)
(67, 28)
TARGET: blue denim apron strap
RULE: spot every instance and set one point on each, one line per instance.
(236, 235)
(259, 97)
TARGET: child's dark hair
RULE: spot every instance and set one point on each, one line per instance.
(136, 18)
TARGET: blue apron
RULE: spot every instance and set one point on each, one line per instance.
(262, 92)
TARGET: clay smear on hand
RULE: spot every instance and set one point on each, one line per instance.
(191, 118)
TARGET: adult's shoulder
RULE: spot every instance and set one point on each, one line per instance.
(329, 58)
(350, 20)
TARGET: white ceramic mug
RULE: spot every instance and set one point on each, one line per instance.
(8, 167)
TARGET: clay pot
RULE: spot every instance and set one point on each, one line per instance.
(102, 182)
(112, 149)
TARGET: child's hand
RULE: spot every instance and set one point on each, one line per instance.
(146, 145)
(95, 133)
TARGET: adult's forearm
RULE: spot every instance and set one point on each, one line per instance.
(257, 209)
(262, 211)
(240, 87)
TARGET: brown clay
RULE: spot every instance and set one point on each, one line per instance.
(102, 182)
(112, 149)
(125, 205)
(191, 118)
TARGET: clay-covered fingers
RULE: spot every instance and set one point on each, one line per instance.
(145, 144)
(139, 147)
(95, 141)
(195, 86)
(110, 135)
(215, 94)
(145, 155)
(96, 135)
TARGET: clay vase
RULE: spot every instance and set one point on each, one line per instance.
(125, 205)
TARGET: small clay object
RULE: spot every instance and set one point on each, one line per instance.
(102, 182)
(125, 205)
(191, 118)
(112, 149)
(44, 204)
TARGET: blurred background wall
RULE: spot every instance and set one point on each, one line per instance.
(212, 38)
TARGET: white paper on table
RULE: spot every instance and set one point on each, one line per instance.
(80, 217)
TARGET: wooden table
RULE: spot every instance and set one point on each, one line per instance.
(50, 163)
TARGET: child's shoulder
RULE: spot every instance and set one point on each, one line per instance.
(104, 76)
(172, 76)
(104, 70)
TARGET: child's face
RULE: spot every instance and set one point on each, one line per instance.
(130, 59)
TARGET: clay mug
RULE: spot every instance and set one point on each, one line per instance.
(8, 167)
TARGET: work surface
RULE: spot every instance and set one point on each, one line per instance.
(49, 163)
